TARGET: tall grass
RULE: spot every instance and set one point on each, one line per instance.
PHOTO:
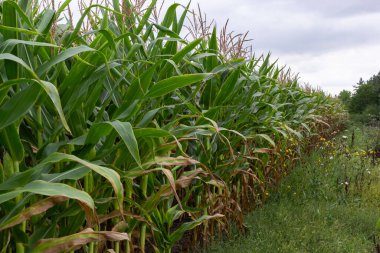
(332, 197)
(116, 133)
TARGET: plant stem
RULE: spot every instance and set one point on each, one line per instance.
(19, 246)
(128, 195)
(88, 189)
(40, 128)
(144, 187)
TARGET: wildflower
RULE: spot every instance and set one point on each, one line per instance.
(331, 157)
(344, 137)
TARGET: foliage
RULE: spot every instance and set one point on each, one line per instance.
(345, 97)
(116, 133)
(365, 101)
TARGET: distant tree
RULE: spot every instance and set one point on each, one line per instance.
(345, 97)
(366, 97)
(361, 81)
(374, 81)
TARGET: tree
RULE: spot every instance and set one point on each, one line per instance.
(366, 97)
(345, 97)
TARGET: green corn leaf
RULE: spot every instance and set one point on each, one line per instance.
(144, 19)
(8, 45)
(178, 233)
(27, 97)
(13, 58)
(267, 138)
(10, 138)
(227, 88)
(179, 56)
(148, 117)
(112, 176)
(19, 179)
(109, 38)
(212, 61)
(20, 12)
(182, 19)
(18, 30)
(46, 22)
(172, 83)
(140, 86)
(291, 130)
(62, 7)
(124, 130)
(9, 20)
(18, 105)
(150, 133)
(73, 36)
(50, 189)
(165, 30)
(68, 53)
(169, 16)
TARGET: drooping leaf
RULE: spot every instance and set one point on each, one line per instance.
(68, 53)
(75, 241)
(50, 189)
(124, 130)
(35, 209)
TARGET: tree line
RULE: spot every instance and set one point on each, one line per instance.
(364, 101)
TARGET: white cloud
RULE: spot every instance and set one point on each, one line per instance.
(336, 70)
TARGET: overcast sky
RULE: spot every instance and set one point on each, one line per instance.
(330, 43)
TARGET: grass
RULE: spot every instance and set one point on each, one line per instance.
(329, 203)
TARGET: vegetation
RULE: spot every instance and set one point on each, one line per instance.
(364, 103)
(116, 133)
(324, 205)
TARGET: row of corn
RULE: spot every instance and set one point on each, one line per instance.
(118, 134)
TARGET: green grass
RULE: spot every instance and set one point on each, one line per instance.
(311, 211)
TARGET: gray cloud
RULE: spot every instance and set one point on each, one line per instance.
(340, 8)
(286, 27)
(319, 37)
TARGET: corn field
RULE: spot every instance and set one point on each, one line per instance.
(118, 134)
